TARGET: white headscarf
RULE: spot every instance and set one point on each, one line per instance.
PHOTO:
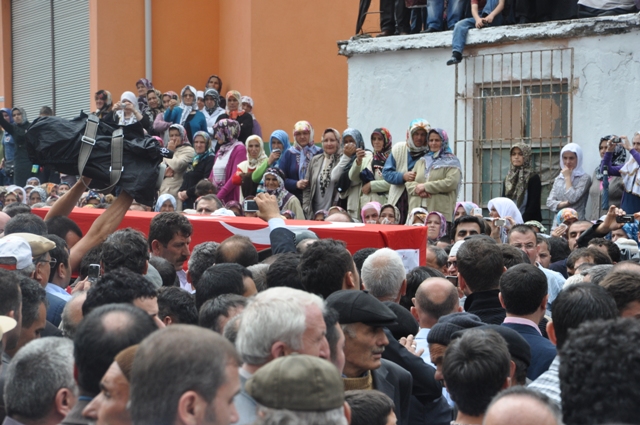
(186, 109)
(576, 149)
(506, 208)
(629, 173)
(129, 97)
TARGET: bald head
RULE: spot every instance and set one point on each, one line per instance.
(523, 407)
(435, 297)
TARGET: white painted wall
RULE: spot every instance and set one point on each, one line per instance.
(397, 79)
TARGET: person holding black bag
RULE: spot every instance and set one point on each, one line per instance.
(367, 168)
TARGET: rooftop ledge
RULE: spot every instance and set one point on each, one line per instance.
(493, 35)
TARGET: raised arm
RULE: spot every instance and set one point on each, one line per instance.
(63, 206)
(104, 225)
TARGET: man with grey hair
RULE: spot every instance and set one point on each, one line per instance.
(202, 257)
(40, 388)
(306, 386)
(278, 322)
(437, 258)
(595, 274)
(383, 274)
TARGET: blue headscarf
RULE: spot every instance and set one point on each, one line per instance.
(631, 229)
(284, 138)
(356, 136)
(8, 111)
(164, 198)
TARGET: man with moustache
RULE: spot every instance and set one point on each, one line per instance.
(363, 319)
(169, 238)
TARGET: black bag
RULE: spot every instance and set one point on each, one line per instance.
(129, 161)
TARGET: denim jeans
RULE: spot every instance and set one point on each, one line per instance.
(462, 27)
(435, 11)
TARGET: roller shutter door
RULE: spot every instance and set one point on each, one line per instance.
(58, 75)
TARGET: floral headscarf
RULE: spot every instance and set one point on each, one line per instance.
(443, 223)
(517, 180)
(284, 139)
(142, 100)
(468, 207)
(183, 133)
(563, 215)
(305, 154)
(281, 194)
(631, 229)
(386, 147)
(420, 213)
(537, 224)
(207, 151)
(227, 132)
(417, 124)
(619, 156)
(368, 206)
(187, 109)
(395, 209)
(164, 198)
(254, 162)
(444, 157)
(235, 204)
(160, 108)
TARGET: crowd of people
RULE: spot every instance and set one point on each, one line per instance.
(507, 320)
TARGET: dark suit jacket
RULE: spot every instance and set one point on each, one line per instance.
(486, 305)
(542, 350)
(282, 240)
(54, 310)
(395, 382)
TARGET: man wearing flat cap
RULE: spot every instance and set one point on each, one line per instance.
(363, 319)
(307, 387)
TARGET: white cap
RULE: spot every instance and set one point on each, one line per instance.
(199, 94)
(13, 246)
(454, 249)
(223, 212)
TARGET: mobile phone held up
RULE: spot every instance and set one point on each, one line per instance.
(625, 218)
(94, 273)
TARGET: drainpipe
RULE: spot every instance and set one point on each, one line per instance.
(148, 57)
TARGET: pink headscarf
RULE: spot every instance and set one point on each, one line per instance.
(368, 206)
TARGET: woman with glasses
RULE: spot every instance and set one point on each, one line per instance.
(186, 113)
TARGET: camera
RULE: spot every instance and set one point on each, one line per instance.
(616, 140)
(175, 97)
(625, 218)
(250, 206)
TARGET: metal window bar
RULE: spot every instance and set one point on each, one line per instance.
(505, 98)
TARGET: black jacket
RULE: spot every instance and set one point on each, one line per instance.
(486, 305)
(395, 382)
(534, 193)
(191, 178)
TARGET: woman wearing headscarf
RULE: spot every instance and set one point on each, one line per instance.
(126, 112)
(436, 226)
(507, 210)
(571, 187)
(389, 214)
(629, 172)
(160, 126)
(214, 82)
(370, 212)
(235, 112)
(398, 168)
(21, 194)
(417, 217)
(255, 158)
(154, 109)
(438, 176)
(273, 184)
(143, 86)
(294, 162)
(615, 189)
(8, 149)
(349, 190)
(23, 168)
(566, 216)
(247, 106)
(231, 153)
(321, 193)
(103, 103)
(165, 203)
(522, 185)
(200, 168)
(37, 195)
(212, 109)
(177, 166)
(366, 170)
(186, 114)
(278, 143)
(463, 208)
